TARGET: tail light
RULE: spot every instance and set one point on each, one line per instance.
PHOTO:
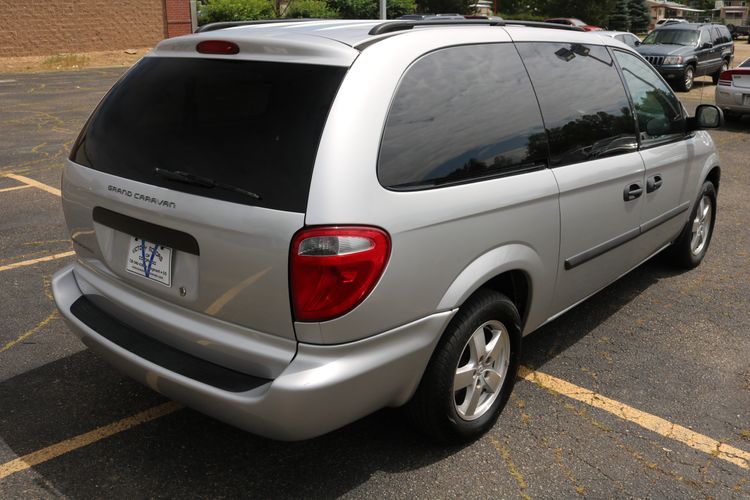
(725, 78)
(333, 269)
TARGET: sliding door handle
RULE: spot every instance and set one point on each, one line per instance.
(653, 183)
(632, 191)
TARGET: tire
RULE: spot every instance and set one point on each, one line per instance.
(444, 413)
(715, 76)
(690, 247)
(688, 77)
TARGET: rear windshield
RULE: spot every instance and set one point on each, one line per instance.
(672, 37)
(242, 124)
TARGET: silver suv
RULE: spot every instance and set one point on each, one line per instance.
(291, 225)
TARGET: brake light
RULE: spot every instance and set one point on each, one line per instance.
(217, 47)
(725, 78)
(333, 269)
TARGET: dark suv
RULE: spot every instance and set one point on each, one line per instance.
(682, 51)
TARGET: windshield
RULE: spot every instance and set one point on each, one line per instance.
(672, 37)
(745, 64)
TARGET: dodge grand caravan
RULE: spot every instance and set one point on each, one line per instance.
(291, 225)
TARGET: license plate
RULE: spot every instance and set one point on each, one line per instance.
(150, 260)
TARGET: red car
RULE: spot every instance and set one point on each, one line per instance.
(572, 21)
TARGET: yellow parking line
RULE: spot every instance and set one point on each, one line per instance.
(36, 184)
(29, 333)
(14, 188)
(36, 261)
(650, 422)
(74, 443)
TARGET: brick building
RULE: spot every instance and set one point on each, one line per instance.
(734, 11)
(43, 27)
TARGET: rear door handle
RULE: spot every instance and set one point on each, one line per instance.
(632, 191)
(653, 183)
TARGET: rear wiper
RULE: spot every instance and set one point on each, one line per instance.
(197, 180)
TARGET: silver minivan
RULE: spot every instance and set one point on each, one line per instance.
(291, 225)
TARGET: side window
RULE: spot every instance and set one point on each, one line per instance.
(726, 36)
(585, 108)
(632, 40)
(658, 112)
(628, 39)
(716, 36)
(460, 114)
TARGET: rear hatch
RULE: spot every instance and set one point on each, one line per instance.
(191, 177)
(741, 78)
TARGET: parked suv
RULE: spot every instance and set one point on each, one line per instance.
(289, 226)
(683, 51)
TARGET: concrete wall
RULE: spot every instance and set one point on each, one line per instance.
(44, 27)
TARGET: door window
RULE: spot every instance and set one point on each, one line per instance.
(584, 105)
(658, 112)
(628, 39)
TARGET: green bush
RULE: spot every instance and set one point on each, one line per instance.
(235, 10)
(446, 6)
(522, 16)
(311, 8)
(369, 9)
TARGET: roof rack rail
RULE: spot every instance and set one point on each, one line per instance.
(391, 26)
(231, 24)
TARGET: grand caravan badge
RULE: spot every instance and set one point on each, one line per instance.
(142, 197)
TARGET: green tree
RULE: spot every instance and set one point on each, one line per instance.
(619, 19)
(236, 10)
(594, 12)
(523, 7)
(369, 9)
(445, 6)
(639, 16)
(310, 8)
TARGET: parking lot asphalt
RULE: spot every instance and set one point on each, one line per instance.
(642, 391)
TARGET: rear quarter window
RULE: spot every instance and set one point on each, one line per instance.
(462, 114)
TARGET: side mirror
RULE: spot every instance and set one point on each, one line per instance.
(707, 45)
(637, 43)
(706, 116)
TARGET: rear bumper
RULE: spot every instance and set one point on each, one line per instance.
(731, 99)
(323, 388)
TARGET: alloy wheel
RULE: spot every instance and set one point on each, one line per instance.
(481, 370)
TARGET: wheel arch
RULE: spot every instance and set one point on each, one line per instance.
(513, 270)
(714, 175)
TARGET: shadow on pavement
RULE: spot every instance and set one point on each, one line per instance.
(553, 338)
(199, 455)
(204, 457)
